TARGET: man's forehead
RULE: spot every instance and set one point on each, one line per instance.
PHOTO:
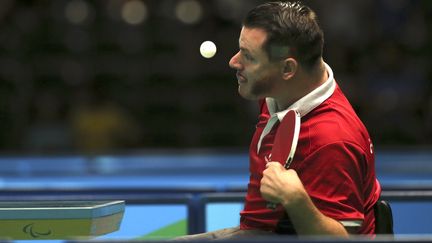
(252, 38)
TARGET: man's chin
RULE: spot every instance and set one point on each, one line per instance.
(246, 94)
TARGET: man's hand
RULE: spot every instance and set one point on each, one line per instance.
(280, 185)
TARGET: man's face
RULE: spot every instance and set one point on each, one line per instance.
(257, 77)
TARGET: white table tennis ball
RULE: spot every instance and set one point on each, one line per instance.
(208, 49)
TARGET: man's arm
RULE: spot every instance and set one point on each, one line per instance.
(283, 186)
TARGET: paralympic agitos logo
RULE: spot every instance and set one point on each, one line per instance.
(29, 229)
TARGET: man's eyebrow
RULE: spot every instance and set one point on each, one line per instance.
(244, 50)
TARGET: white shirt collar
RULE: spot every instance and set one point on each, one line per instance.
(308, 102)
(304, 105)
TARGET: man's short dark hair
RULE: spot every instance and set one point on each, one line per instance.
(292, 30)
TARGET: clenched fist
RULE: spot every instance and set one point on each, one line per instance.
(280, 185)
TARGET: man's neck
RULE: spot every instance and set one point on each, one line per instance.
(306, 83)
(316, 77)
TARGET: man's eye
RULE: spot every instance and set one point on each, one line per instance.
(248, 57)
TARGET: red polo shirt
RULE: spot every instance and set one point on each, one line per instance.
(334, 160)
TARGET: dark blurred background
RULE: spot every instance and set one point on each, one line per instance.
(109, 75)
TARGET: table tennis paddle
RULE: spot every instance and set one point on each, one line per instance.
(285, 142)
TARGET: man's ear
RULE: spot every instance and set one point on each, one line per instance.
(289, 68)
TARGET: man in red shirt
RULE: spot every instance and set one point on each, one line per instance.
(332, 175)
(330, 187)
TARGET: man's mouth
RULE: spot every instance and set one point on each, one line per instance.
(240, 78)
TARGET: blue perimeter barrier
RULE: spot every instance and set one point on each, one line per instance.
(175, 170)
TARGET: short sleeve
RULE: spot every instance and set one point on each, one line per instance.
(333, 176)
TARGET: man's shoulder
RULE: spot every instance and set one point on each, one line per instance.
(335, 121)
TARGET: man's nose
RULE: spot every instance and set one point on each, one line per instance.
(234, 62)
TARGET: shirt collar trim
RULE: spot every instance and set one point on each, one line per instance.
(308, 102)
